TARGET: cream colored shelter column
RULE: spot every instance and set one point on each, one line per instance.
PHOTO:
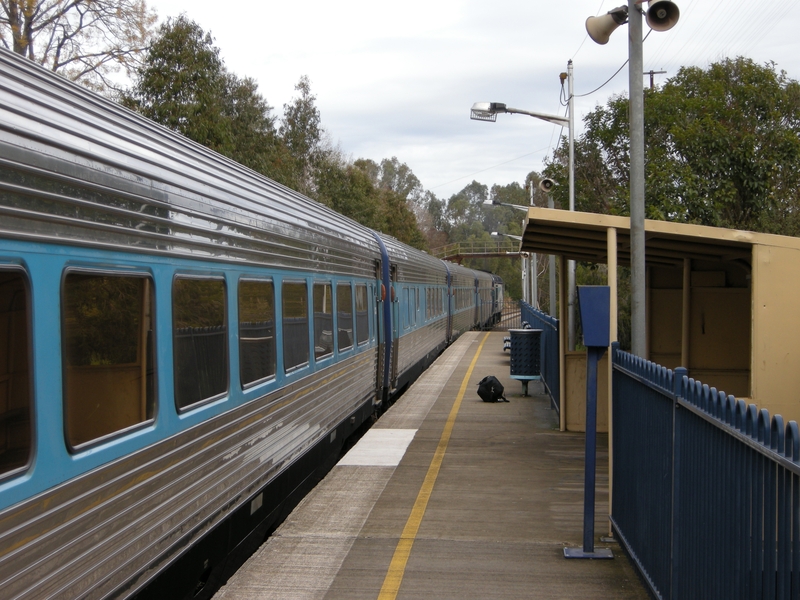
(686, 316)
(563, 328)
(611, 240)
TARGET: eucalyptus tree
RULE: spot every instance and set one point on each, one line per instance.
(722, 148)
(183, 84)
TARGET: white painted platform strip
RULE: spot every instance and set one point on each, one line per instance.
(379, 448)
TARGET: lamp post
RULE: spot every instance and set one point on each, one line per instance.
(661, 15)
(523, 256)
(488, 111)
(528, 274)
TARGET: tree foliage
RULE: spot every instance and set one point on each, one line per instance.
(85, 40)
(396, 209)
(731, 145)
(302, 134)
(184, 85)
(722, 148)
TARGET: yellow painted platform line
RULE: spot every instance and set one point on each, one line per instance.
(397, 568)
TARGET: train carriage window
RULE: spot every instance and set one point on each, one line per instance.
(200, 339)
(109, 371)
(15, 375)
(344, 314)
(362, 314)
(323, 320)
(256, 330)
(295, 325)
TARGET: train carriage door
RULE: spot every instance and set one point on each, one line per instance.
(448, 288)
(476, 295)
(379, 324)
(384, 322)
(395, 300)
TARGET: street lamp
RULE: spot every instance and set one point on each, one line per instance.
(528, 266)
(661, 16)
(497, 203)
(488, 111)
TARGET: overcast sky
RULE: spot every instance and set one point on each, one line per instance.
(398, 79)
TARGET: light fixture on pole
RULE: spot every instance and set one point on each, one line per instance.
(547, 185)
(523, 255)
(661, 15)
(488, 111)
(508, 204)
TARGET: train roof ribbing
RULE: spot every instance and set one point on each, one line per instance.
(83, 169)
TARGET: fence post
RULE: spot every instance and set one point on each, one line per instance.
(677, 385)
(793, 452)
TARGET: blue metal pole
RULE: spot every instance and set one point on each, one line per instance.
(594, 353)
(590, 463)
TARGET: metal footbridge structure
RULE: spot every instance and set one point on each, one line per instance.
(458, 251)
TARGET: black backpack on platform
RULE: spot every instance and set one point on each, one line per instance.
(491, 390)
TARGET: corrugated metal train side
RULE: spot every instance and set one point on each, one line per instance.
(187, 345)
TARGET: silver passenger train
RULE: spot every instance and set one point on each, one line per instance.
(184, 345)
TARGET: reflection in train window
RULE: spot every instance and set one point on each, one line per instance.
(109, 382)
(295, 325)
(15, 375)
(256, 330)
(323, 320)
(344, 309)
(200, 339)
(362, 314)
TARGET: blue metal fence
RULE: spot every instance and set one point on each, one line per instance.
(706, 495)
(549, 348)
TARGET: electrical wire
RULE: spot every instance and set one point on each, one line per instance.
(586, 37)
(490, 168)
(739, 29)
(604, 84)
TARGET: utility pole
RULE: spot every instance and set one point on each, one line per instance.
(652, 81)
(551, 268)
(638, 293)
(534, 268)
(573, 323)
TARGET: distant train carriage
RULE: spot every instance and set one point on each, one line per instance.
(484, 299)
(462, 300)
(498, 298)
(185, 346)
(419, 288)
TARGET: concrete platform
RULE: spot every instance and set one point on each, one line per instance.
(447, 497)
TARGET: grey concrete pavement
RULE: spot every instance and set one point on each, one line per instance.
(507, 499)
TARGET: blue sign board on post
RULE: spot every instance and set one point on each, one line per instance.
(594, 303)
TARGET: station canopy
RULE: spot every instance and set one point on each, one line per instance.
(583, 237)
